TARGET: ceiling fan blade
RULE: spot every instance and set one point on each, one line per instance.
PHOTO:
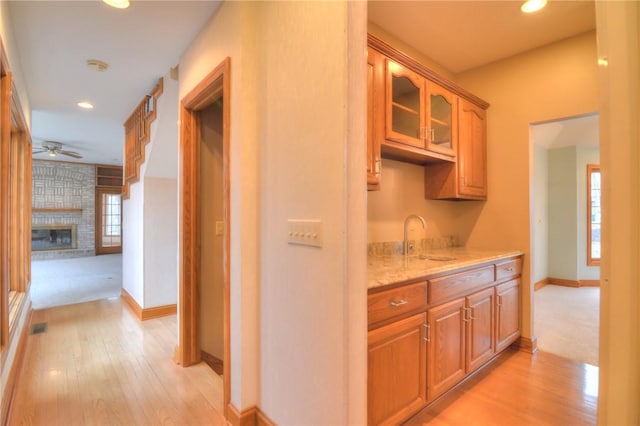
(70, 154)
(40, 151)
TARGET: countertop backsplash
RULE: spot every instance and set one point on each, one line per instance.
(394, 248)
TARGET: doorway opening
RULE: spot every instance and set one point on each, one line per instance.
(205, 188)
(567, 293)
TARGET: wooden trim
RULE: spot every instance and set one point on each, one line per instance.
(416, 66)
(212, 361)
(131, 303)
(263, 420)
(590, 169)
(589, 283)
(16, 368)
(543, 282)
(247, 417)
(527, 344)
(563, 282)
(143, 314)
(215, 84)
(158, 312)
(55, 210)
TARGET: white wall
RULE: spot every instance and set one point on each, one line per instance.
(290, 336)
(540, 213)
(563, 210)
(160, 237)
(133, 243)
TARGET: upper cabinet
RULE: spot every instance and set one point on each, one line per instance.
(419, 117)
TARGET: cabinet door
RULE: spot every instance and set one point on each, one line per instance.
(396, 370)
(480, 327)
(442, 120)
(446, 351)
(374, 86)
(472, 150)
(508, 313)
(405, 106)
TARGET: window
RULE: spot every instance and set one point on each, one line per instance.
(594, 214)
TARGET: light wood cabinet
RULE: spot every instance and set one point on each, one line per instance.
(426, 336)
(507, 313)
(396, 370)
(467, 178)
(374, 75)
(446, 346)
(442, 118)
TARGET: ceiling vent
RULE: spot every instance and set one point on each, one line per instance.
(97, 65)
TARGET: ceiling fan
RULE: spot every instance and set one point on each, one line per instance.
(55, 148)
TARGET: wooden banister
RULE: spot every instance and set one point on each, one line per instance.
(137, 130)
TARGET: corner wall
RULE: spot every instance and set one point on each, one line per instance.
(556, 81)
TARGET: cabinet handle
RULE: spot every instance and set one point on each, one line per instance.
(499, 301)
(471, 317)
(376, 167)
(427, 332)
(464, 315)
(433, 135)
(509, 269)
(400, 302)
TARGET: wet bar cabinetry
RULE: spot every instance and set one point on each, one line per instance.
(429, 333)
(417, 116)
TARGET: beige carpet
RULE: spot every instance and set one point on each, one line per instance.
(567, 322)
(82, 279)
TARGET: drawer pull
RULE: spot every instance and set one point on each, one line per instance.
(398, 303)
(427, 332)
(510, 269)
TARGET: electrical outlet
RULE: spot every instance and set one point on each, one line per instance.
(219, 228)
(304, 232)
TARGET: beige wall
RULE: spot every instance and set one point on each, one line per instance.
(211, 284)
(552, 82)
(619, 84)
(401, 194)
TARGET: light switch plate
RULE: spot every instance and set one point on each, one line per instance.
(219, 228)
(304, 232)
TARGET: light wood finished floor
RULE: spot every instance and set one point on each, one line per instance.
(520, 389)
(98, 365)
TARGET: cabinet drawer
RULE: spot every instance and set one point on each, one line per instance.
(461, 284)
(511, 268)
(397, 301)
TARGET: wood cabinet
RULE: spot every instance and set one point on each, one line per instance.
(467, 178)
(441, 130)
(396, 370)
(507, 313)
(110, 176)
(374, 75)
(460, 339)
(426, 336)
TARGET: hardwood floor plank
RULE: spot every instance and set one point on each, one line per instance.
(98, 365)
(520, 389)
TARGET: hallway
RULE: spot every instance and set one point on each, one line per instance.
(97, 364)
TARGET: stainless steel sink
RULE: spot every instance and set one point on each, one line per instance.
(437, 258)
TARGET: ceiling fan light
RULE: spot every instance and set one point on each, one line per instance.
(118, 4)
(531, 6)
(52, 153)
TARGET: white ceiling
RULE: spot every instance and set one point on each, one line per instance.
(55, 39)
(461, 35)
(574, 131)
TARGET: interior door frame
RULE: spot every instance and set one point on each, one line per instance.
(98, 232)
(215, 86)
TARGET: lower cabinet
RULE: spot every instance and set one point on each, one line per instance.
(508, 313)
(426, 336)
(397, 360)
(460, 339)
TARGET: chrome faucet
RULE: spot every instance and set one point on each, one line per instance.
(406, 245)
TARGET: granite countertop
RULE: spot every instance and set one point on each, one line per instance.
(391, 269)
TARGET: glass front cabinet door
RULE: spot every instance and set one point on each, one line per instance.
(441, 132)
(405, 103)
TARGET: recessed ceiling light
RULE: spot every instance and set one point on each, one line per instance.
(85, 105)
(531, 6)
(120, 4)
